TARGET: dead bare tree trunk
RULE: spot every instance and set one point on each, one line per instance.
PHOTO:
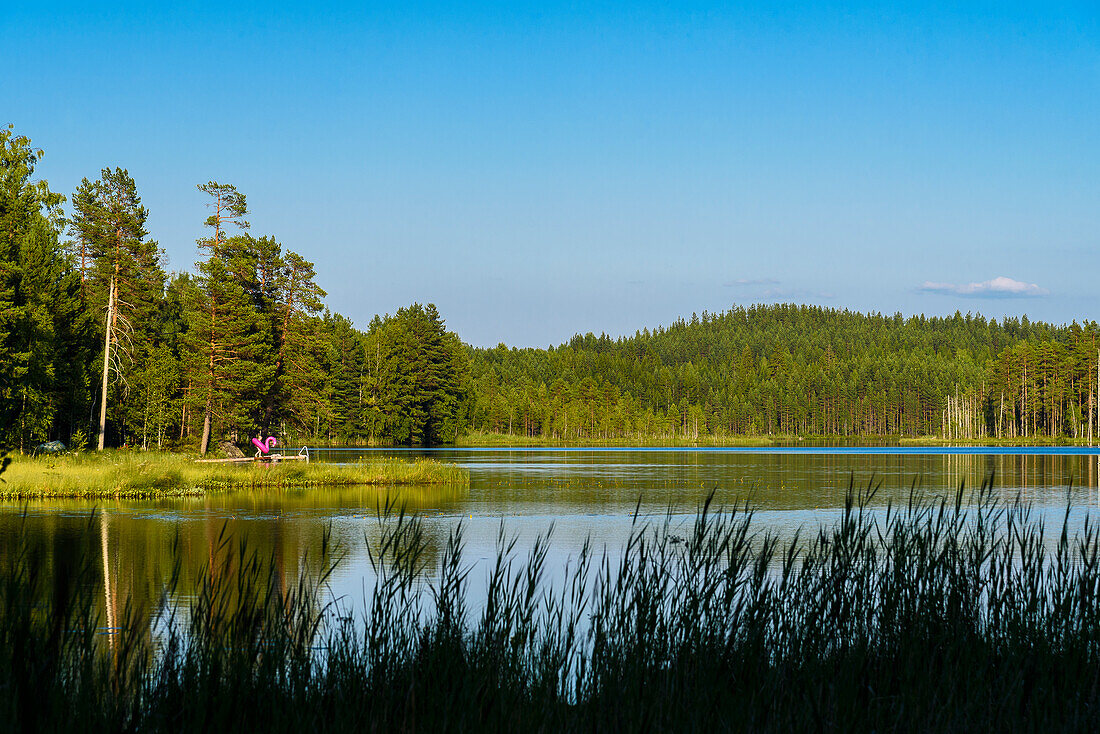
(206, 426)
(106, 366)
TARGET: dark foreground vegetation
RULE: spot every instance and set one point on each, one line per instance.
(950, 615)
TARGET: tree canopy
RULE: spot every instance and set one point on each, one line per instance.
(94, 326)
(797, 370)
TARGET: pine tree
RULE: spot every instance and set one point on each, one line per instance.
(121, 271)
(229, 361)
(207, 308)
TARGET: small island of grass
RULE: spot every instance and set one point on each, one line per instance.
(125, 474)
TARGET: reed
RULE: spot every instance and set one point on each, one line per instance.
(132, 474)
(960, 614)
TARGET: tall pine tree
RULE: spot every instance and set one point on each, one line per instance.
(228, 344)
(123, 277)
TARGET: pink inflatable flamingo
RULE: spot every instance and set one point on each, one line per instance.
(264, 447)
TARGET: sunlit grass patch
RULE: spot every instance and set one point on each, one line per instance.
(153, 474)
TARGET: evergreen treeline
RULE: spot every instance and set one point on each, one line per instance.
(803, 370)
(100, 345)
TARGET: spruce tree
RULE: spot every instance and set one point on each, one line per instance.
(85, 202)
(422, 378)
(299, 375)
(342, 362)
(43, 331)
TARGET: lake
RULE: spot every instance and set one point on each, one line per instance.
(583, 493)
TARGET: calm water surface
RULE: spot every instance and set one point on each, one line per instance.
(583, 493)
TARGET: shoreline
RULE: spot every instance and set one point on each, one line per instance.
(776, 440)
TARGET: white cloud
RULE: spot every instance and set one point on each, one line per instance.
(741, 282)
(999, 287)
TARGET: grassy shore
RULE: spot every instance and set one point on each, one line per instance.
(152, 474)
(990, 441)
(945, 616)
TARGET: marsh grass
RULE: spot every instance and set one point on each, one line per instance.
(959, 614)
(150, 474)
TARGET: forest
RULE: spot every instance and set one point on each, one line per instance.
(100, 346)
(798, 370)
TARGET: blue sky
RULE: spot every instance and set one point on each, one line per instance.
(542, 170)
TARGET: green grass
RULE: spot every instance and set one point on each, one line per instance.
(151, 474)
(993, 441)
(953, 615)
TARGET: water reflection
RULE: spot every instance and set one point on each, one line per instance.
(578, 481)
(136, 544)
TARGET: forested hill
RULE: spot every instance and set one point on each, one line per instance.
(798, 370)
